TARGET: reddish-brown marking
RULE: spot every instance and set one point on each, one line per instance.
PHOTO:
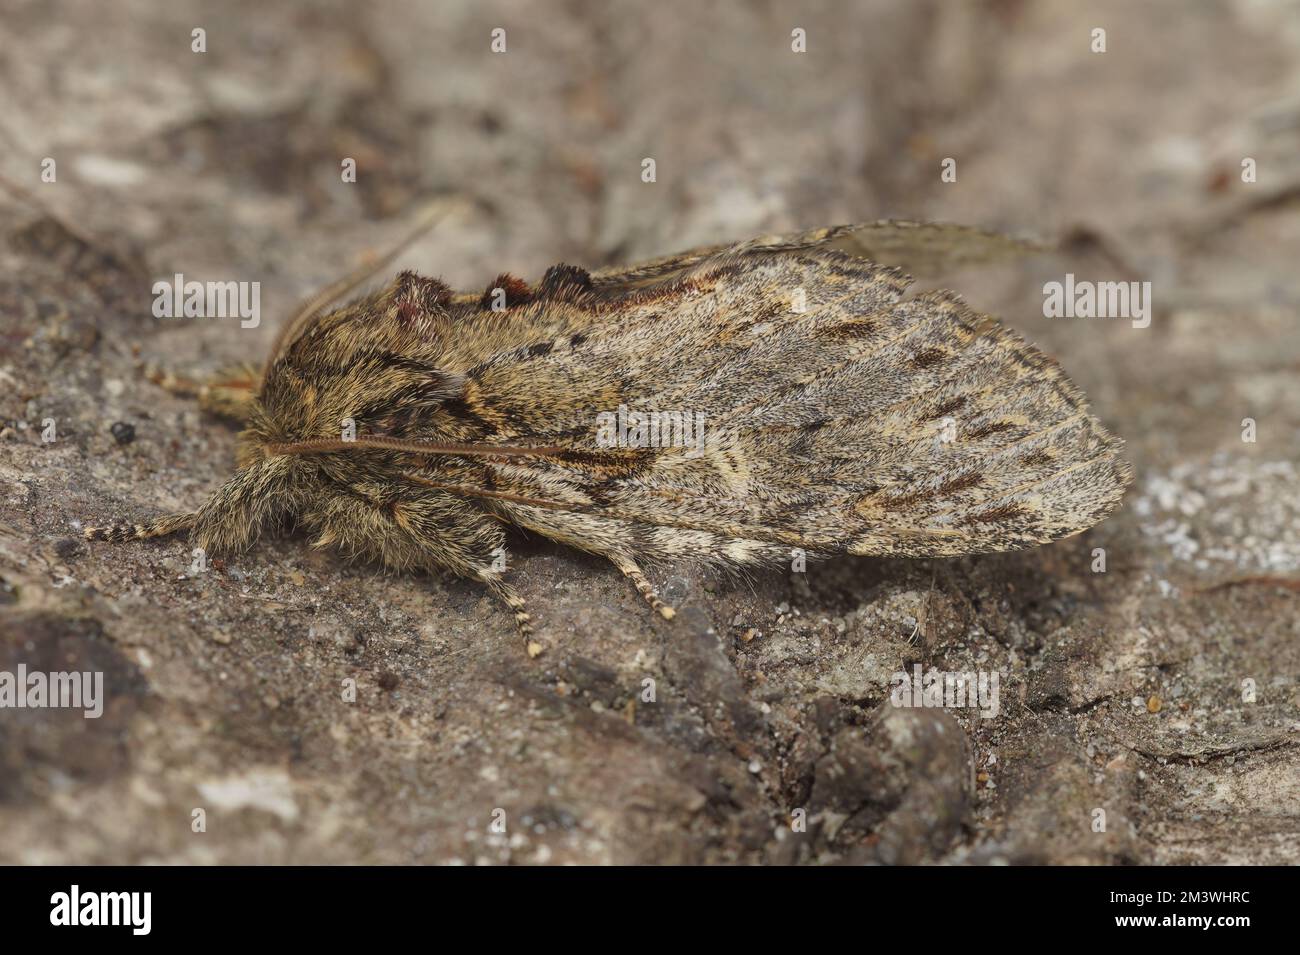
(408, 312)
(516, 291)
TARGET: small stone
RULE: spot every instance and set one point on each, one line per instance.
(1153, 704)
(67, 547)
(122, 432)
(297, 577)
(221, 637)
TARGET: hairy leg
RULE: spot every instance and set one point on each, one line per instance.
(233, 515)
(523, 622)
(158, 527)
(227, 393)
(633, 573)
(419, 531)
(563, 533)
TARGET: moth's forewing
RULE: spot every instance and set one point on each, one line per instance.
(834, 415)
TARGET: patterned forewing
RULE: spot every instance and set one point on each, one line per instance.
(837, 415)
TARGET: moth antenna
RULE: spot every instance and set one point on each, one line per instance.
(330, 445)
(310, 309)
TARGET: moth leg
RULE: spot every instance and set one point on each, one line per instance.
(232, 516)
(159, 527)
(227, 393)
(523, 622)
(413, 529)
(633, 573)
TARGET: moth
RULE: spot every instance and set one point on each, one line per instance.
(837, 414)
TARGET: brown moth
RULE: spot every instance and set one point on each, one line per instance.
(826, 412)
